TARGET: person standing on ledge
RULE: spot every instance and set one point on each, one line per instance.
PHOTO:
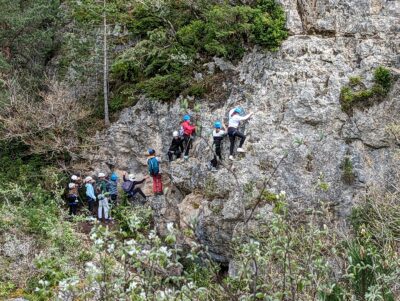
(233, 130)
(153, 164)
(176, 148)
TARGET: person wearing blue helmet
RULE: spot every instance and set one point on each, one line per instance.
(218, 136)
(113, 188)
(188, 131)
(153, 164)
(233, 130)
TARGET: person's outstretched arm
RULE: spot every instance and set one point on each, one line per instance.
(246, 117)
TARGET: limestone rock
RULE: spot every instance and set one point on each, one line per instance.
(298, 134)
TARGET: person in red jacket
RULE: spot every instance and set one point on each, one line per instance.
(188, 130)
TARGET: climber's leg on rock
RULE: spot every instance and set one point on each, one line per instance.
(138, 190)
(170, 156)
(231, 134)
(242, 139)
(157, 184)
(218, 151)
(178, 154)
(188, 144)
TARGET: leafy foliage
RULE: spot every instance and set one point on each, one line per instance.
(174, 38)
(356, 94)
(28, 37)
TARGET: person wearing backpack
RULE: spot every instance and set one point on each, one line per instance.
(153, 164)
(233, 130)
(176, 148)
(102, 189)
(113, 187)
(218, 136)
(72, 198)
(129, 186)
(102, 186)
(188, 130)
(91, 197)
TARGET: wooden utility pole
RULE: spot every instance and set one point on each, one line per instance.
(105, 68)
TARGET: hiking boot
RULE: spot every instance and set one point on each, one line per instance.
(231, 158)
(240, 150)
(186, 158)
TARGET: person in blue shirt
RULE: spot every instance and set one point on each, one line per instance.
(90, 196)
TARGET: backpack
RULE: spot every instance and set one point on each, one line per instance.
(99, 187)
(154, 167)
(127, 186)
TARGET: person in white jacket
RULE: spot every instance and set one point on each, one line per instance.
(233, 130)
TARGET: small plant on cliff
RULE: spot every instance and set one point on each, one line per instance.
(355, 92)
(348, 172)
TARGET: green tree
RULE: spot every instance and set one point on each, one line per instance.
(27, 37)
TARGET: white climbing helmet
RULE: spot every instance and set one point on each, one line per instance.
(101, 175)
(88, 179)
(131, 177)
(175, 134)
(74, 178)
(71, 185)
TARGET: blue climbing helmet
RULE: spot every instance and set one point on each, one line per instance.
(217, 125)
(151, 151)
(238, 110)
(186, 117)
(113, 177)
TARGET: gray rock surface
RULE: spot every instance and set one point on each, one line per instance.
(294, 93)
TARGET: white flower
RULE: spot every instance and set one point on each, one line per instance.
(170, 227)
(165, 251)
(91, 268)
(130, 242)
(93, 236)
(132, 286)
(99, 242)
(111, 248)
(152, 235)
(133, 250)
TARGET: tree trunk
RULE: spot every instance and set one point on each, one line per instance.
(105, 70)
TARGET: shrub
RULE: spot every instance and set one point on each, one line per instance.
(383, 78)
(162, 87)
(356, 94)
(178, 37)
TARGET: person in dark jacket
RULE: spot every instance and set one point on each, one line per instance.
(132, 192)
(218, 136)
(176, 147)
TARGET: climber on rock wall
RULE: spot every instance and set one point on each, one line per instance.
(129, 185)
(233, 130)
(187, 132)
(218, 136)
(176, 148)
(153, 164)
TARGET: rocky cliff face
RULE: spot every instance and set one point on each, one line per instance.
(298, 133)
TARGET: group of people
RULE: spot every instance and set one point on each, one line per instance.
(104, 191)
(182, 140)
